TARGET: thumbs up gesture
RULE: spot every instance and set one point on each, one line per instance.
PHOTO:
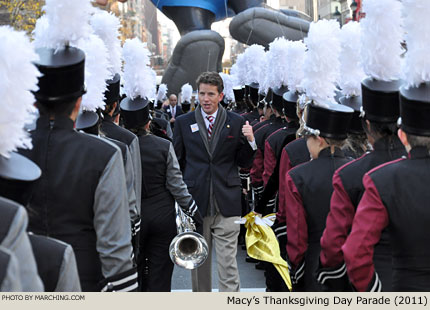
(247, 132)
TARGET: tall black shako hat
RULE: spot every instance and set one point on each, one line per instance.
(264, 99)
(17, 177)
(253, 92)
(290, 99)
(239, 93)
(87, 121)
(63, 76)
(354, 102)
(112, 93)
(135, 112)
(277, 101)
(328, 120)
(415, 109)
(381, 100)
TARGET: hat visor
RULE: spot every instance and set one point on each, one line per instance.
(18, 167)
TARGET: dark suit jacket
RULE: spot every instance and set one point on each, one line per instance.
(219, 160)
(169, 112)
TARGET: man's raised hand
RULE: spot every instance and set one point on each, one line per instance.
(248, 132)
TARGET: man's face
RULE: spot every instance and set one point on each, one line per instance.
(173, 100)
(209, 98)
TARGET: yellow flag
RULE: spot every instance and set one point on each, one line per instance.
(261, 244)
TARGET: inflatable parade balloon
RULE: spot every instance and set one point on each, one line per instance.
(200, 49)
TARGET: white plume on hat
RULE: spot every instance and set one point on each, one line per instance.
(67, 20)
(321, 66)
(277, 62)
(139, 78)
(255, 63)
(416, 67)
(162, 91)
(19, 76)
(39, 32)
(295, 60)
(380, 39)
(228, 85)
(96, 71)
(106, 26)
(351, 70)
(238, 70)
(186, 93)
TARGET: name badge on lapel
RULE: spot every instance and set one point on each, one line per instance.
(194, 127)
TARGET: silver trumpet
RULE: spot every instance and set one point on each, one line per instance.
(188, 249)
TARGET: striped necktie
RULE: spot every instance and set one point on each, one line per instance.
(211, 125)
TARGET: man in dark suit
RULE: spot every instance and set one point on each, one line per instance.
(173, 110)
(211, 144)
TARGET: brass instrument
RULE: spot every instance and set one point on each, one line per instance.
(188, 249)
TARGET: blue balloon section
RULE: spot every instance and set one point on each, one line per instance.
(218, 7)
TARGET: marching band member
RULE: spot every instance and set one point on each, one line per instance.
(162, 182)
(380, 104)
(396, 193)
(81, 196)
(16, 172)
(309, 187)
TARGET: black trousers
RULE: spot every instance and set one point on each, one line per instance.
(158, 228)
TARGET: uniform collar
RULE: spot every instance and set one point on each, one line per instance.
(327, 153)
(61, 121)
(388, 143)
(279, 120)
(107, 117)
(419, 152)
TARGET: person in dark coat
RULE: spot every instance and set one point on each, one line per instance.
(162, 185)
(99, 226)
(211, 145)
(173, 110)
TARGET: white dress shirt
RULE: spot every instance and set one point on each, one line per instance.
(173, 111)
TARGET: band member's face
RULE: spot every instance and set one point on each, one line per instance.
(209, 98)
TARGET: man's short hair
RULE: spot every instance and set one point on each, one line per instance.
(415, 141)
(109, 107)
(335, 142)
(211, 78)
(57, 108)
(380, 129)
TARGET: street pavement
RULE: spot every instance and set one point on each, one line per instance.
(251, 279)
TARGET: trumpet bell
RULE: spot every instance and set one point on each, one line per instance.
(188, 250)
